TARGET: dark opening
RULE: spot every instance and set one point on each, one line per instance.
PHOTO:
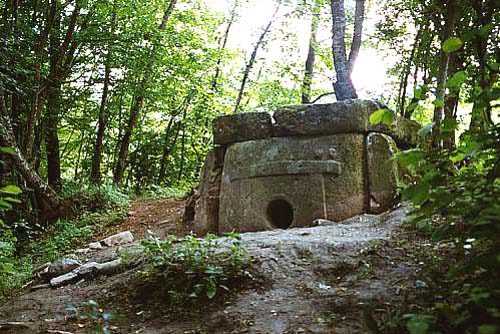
(280, 213)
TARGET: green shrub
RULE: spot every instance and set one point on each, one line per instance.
(193, 268)
(456, 198)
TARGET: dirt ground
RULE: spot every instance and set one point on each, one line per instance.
(333, 278)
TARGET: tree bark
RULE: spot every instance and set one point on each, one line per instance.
(232, 18)
(137, 104)
(50, 202)
(50, 125)
(311, 55)
(251, 61)
(448, 30)
(343, 87)
(95, 173)
(359, 18)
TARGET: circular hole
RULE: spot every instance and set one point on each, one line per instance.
(280, 213)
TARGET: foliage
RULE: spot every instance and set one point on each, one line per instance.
(191, 268)
(455, 194)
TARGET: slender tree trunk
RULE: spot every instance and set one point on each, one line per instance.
(121, 162)
(448, 30)
(344, 89)
(311, 55)
(251, 62)
(138, 104)
(232, 18)
(95, 174)
(50, 124)
(406, 75)
(359, 18)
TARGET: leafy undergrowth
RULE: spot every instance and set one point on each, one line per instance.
(22, 249)
(455, 193)
(181, 276)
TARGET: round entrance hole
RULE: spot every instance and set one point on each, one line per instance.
(280, 213)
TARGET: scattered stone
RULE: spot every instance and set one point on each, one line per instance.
(95, 245)
(82, 251)
(63, 279)
(119, 239)
(60, 267)
(87, 270)
(40, 286)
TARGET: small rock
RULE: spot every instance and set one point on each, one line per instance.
(118, 239)
(88, 269)
(61, 267)
(63, 279)
(95, 245)
(420, 284)
(82, 251)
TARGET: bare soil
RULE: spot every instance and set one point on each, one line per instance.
(334, 278)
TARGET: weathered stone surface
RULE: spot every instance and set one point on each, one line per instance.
(95, 245)
(61, 267)
(118, 239)
(241, 127)
(290, 182)
(89, 269)
(350, 116)
(202, 215)
(63, 279)
(382, 171)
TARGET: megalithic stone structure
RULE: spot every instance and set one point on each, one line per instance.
(297, 165)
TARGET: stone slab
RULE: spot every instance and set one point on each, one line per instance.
(350, 116)
(241, 127)
(206, 204)
(382, 171)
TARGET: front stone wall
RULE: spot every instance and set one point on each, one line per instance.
(299, 164)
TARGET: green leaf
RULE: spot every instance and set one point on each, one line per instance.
(12, 200)
(457, 79)
(7, 150)
(449, 125)
(383, 116)
(5, 205)
(417, 325)
(211, 290)
(452, 44)
(438, 103)
(11, 190)
(487, 329)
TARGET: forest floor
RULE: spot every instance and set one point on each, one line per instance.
(343, 277)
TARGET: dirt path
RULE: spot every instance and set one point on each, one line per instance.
(334, 278)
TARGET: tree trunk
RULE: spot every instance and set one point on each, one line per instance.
(448, 30)
(50, 202)
(311, 55)
(50, 125)
(344, 89)
(359, 18)
(251, 62)
(137, 104)
(125, 142)
(232, 18)
(95, 173)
